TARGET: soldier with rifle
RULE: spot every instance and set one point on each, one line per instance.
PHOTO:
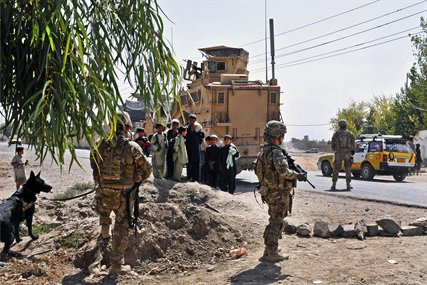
(277, 181)
(119, 167)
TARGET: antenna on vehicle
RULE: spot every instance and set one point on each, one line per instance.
(273, 80)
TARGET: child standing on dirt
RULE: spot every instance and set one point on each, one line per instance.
(212, 160)
(228, 170)
(180, 157)
(19, 163)
(158, 149)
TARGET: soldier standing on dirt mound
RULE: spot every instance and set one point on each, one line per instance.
(343, 144)
(276, 186)
(119, 167)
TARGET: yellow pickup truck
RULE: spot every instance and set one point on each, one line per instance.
(376, 154)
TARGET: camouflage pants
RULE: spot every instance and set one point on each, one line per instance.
(109, 200)
(339, 158)
(278, 207)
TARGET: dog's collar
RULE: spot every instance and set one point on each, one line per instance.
(29, 189)
(26, 206)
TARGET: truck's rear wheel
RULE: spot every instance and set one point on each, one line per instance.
(367, 172)
(399, 177)
(326, 168)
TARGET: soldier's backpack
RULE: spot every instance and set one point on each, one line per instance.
(343, 140)
(259, 166)
(113, 165)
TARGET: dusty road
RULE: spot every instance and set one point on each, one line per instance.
(312, 260)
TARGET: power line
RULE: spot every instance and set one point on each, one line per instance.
(307, 25)
(346, 28)
(303, 62)
(313, 23)
(348, 36)
(342, 49)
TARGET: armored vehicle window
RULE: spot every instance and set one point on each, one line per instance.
(220, 66)
(184, 99)
(273, 98)
(221, 98)
(195, 95)
(214, 66)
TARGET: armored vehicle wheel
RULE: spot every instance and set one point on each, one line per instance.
(399, 177)
(326, 168)
(367, 172)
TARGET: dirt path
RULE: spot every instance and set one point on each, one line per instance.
(312, 260)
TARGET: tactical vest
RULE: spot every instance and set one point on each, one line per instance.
(343, 141)
(116, 168)
(265, 170)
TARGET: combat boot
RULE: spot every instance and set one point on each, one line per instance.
(334, 185)
(273, 256)
(120, 269)
(349, 186)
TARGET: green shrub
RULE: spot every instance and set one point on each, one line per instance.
(74, 190)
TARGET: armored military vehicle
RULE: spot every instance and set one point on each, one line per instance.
(227, 102)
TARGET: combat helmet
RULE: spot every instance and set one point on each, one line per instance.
(123, 121)
(273, 130)
(342, 124)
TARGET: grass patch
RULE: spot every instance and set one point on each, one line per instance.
(75, 239)
(75, 190)
(43, 228)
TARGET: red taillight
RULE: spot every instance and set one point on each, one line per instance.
(385, 156)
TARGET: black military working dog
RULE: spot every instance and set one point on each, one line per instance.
(19, 207)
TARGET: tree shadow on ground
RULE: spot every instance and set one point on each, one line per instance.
(79, 278)
(263, 273)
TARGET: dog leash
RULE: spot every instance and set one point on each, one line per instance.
(75, 197)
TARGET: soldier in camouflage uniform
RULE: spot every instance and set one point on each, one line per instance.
(276, 187)
(343, 144)
(119, 166)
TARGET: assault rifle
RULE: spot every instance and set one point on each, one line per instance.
(296, 167)
(133, 223)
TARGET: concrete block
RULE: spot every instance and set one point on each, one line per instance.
(349, 234)
(372, 230)
(336, 230)
(420, 222)
(412, 231)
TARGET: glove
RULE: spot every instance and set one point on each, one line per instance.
(352, 152)
(302, 177)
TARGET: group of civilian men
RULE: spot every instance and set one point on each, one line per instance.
(180, 146)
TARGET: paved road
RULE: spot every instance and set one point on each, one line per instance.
(412, 191)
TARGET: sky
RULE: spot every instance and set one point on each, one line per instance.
(313, 92)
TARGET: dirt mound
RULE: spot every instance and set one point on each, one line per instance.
(178, 230)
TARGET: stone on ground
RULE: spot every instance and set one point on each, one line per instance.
(372, 230)
(321, 229)
(335, 229)
(360, 229)
(389, 225)
(412, 231)
(304, 230)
